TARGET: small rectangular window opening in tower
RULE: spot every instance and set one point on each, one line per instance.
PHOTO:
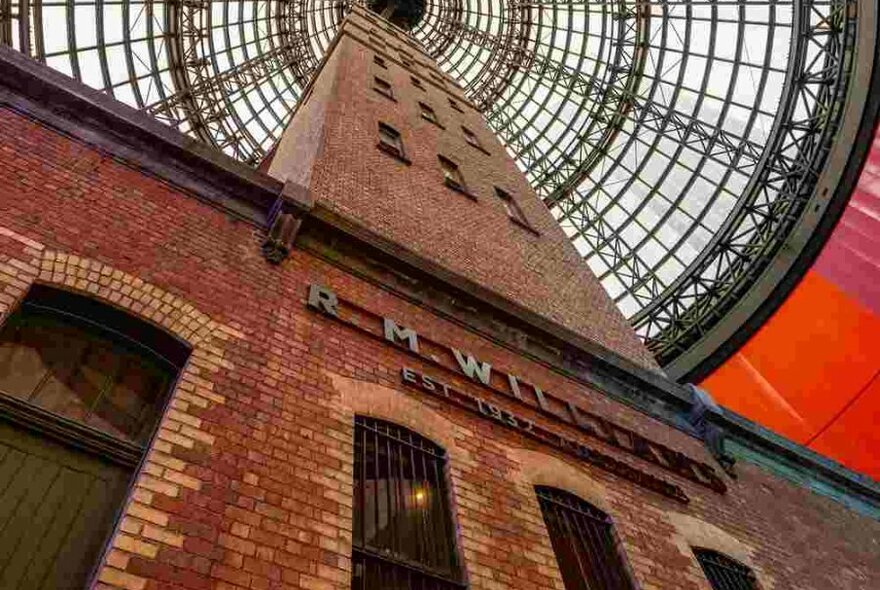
(513, 209)
(471, 138)
(455, 106)
(374, 38)
(379, 61)
(390, 142)
(428, 114)
(383, 87)
(417, 83)
(452, 176)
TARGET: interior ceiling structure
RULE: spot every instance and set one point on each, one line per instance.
(677, 143)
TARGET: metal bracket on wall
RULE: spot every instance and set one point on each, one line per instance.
(285, 220)
(712, 434)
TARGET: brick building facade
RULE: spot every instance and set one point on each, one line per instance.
(248, 479)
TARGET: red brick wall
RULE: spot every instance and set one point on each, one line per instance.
(410, 205)
(249, 483)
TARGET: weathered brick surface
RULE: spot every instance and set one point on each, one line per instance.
(410, 205)
(249, 481)
(248, 484)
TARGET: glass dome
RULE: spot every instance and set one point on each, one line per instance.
(676, 142)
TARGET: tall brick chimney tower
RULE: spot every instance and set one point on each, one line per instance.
(387, 141)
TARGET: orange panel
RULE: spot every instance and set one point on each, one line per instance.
(854, 437)
(816, 353)
(738, 386)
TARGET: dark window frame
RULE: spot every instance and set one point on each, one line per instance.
(458, 185)
(395, 147)
(403, 518)
(383, 87)
(724, 572)
(114, 332)
(514, 211)
(472, 140)
(587, 548)
(431, 115)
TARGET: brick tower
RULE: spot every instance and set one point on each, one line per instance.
(384, 139)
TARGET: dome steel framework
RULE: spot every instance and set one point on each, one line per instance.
(678, 144)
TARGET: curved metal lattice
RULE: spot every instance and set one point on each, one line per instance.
(677, 143)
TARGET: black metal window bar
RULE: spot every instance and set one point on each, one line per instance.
(725, 573)
(583, 541)
(403, 533)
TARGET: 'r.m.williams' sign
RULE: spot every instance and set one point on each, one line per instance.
(529, 395)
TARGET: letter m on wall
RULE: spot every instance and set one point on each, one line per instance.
(395, 334)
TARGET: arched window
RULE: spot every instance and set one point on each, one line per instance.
(403, 532)
(82, 386)
(583, 541)
(725, 573)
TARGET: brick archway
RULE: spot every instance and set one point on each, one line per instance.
(142, 529)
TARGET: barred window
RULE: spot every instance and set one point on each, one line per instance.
(403, 534)
(725, 573)
(583, 541)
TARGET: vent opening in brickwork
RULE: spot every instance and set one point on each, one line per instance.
(584, 543)
(390, 141)
(380, 62)
(514, 212)
(725, 573)
(383, 87)
(452, 176)
(403, 529)
(82, 388)
(428, 114)
(471, 138)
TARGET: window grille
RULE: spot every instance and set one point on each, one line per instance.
(403, 534)
(583, 541)
(725, 573)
